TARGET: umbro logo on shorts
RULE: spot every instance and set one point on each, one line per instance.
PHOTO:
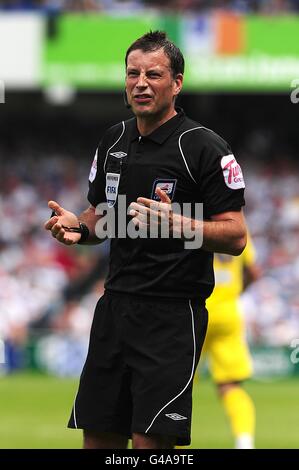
(175, 416)
(119, 154)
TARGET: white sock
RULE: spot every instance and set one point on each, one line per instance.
(244, 441)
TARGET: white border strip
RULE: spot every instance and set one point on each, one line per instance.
(74, 411)
(182, 153)
(192, 371)
(124, 127)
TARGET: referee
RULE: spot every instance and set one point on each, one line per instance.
(149, 326)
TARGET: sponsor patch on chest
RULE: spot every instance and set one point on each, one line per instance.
(111, 190)
(232, 172)
(166, 185)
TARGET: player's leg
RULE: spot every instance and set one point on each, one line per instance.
(103, 440)
(152, 441)
(240, 410)
(230, 364)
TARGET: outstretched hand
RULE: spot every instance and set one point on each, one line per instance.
(59, 223)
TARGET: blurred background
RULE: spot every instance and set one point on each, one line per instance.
(61, 77)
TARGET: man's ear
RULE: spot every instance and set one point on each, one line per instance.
(178, 83)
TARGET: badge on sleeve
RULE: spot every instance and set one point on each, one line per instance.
(93, 169)
(232, 172)
(112, 182)
(166, 185)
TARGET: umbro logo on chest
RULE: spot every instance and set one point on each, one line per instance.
(118, 154)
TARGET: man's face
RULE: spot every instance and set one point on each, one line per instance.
(150, 85)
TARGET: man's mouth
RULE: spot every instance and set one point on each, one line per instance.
(142, 98)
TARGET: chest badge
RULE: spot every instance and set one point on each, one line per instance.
(166, 185)
(111, 190)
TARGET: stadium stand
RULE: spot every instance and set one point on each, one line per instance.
(268, 7)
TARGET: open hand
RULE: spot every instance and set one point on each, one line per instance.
(59, 223)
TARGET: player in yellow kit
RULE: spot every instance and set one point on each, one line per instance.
(225, 345)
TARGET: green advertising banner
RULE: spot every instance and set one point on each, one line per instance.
(88, 50)
(230, 52)
(222, 51)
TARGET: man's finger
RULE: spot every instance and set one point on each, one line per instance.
(56, 229)
(142, 226)
(144, 218)
(163, 196)
(50, 223)
(61, 236)
(154, 205)
(134, 206)
(144, 213)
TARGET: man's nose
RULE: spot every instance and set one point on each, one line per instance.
(142, 82)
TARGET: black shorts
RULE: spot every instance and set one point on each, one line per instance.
(139, 370)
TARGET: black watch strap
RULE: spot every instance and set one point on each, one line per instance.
(84, 233)
(83, 229)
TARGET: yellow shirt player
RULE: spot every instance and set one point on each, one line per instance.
(225, 345)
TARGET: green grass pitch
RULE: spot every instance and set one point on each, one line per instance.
(34, 410)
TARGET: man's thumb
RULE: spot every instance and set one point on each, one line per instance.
(55, 207)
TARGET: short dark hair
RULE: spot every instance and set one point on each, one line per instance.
(155, 40)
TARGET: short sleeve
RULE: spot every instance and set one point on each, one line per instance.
(97, 181)
(221, 179)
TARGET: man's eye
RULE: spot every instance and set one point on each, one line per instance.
(154, 75)
(132, 74)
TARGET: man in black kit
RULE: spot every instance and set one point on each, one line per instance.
(149, 326)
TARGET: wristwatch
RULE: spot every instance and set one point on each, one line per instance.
(83, 229)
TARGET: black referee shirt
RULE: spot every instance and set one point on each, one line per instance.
(194, 165)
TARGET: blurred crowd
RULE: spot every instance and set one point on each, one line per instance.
(43, 285)
(271, 304)
(238, 6)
